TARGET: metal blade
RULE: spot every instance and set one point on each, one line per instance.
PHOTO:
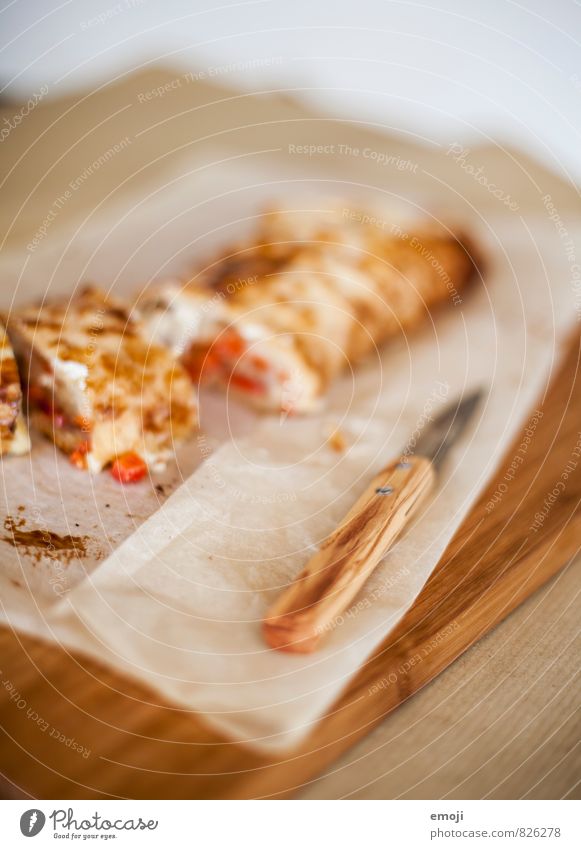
(445, 430)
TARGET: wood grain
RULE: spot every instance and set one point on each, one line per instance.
(307, 610)
(141, 748)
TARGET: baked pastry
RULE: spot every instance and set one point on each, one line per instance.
(13, 431)
(98, 388)
(277, 319)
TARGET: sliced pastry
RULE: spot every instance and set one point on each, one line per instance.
(98, 388)
(13, 431)
(277, 319)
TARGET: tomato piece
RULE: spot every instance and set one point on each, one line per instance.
(202, 365)
(259, 363)
(247, 384)
(229, 346)
(79, 456)
(129, 468)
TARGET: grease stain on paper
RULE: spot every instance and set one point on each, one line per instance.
(39, 543)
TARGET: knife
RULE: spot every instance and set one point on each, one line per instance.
(313, 603)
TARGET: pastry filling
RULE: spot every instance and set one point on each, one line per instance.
(41, 399)
(74, 436)
(253, 368)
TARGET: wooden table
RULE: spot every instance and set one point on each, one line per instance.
(500, 723)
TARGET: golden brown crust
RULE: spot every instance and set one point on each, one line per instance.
(324, 289)
(67, 439)
(13, 433)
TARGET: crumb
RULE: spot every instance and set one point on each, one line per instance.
(337, 442)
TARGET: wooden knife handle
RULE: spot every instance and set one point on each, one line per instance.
(308, 608)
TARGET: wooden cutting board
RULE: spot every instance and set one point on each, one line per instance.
(74, 729)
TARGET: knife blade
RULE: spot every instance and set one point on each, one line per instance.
(446, 429)
(311, 606)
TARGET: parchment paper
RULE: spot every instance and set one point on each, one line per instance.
(179, 603)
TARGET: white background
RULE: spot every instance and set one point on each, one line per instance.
(453, 69)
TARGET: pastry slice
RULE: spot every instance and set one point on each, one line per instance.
(13, 431)
(277, 320)
(218, 344)
(98, 388)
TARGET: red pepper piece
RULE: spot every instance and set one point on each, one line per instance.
(247, 384)
(79, 456)
(229, 346)
(129, 468)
